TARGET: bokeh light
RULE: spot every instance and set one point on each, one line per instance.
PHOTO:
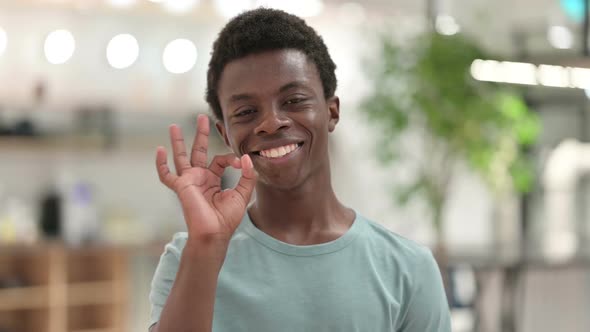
(59, 46)
(180, 55)
(122, 51)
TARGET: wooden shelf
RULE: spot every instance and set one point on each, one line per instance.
(23, 298)
(96, 292)
(72, 289)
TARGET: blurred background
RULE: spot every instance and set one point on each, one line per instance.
(464, 126)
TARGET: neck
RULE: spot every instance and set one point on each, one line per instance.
(307, 214)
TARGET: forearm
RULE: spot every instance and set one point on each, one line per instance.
(189, 307)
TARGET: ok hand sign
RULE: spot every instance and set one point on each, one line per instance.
(209, 212)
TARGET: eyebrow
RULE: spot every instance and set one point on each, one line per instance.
(240, 97)
(292, 85)
(286, 87)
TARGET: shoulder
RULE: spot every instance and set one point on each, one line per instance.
(394, 244)
(397, 254)
(425, 306)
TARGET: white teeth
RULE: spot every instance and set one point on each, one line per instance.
(278, 152)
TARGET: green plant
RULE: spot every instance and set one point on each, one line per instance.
(426, 90)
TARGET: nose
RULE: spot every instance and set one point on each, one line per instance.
(271, 121)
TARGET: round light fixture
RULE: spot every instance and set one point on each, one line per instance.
(59, 46)
(446, 25)
(180, 55)
(122, 51)
(560, 37)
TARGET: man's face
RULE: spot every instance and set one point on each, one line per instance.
(274, 110)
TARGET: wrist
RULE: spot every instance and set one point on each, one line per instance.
(213, 249)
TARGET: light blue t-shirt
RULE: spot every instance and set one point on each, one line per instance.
(368, 280)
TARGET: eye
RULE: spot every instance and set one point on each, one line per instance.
(294, 101)
(245, 112)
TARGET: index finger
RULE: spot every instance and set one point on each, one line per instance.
(201, 142)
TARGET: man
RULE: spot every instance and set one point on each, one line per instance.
(295, 259)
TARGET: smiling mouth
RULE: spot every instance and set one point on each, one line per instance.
(278, 152)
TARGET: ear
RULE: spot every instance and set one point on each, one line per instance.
(334, 109)
(221, 130)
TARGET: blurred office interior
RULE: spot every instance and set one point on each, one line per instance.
(89, 87)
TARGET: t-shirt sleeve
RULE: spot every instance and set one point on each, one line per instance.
(427, 308)
(164, 277)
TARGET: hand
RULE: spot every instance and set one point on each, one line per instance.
(209, 212)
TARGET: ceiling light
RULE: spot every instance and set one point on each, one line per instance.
(486, 70)
(580, 78)
(519, 73)
(122, 51)
(560, 37)
(556, 76)
(179, 56)
(59, 46)
(446, 25)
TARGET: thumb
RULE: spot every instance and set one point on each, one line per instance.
(245, 186)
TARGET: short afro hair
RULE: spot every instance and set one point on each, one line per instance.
(265, 29)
